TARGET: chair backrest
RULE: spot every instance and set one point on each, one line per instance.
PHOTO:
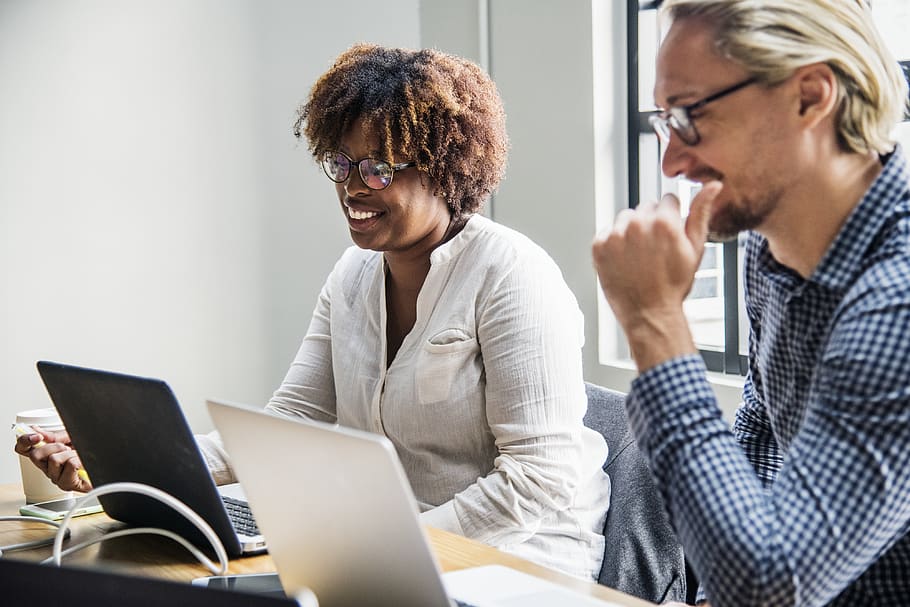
(642, 555)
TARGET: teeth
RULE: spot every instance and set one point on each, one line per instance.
(361, 214)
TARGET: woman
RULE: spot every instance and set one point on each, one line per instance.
(453, 336)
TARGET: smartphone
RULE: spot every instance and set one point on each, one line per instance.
(266, 584)
(55, 510)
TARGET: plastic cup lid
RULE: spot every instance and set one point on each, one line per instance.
(39, 417)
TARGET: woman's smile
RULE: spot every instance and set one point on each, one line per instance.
(361, 219)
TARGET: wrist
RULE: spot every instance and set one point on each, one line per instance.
(656, 336)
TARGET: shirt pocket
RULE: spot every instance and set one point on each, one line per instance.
(443, 356)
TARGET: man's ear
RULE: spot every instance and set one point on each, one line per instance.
(817, 92)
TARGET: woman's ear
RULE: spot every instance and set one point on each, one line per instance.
(428, 184)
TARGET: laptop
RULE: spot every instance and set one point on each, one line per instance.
(341, 520)
(129, 428)
(82, 586)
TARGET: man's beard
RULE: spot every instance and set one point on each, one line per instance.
(728, 221)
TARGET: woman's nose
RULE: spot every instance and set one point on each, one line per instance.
(354, 183)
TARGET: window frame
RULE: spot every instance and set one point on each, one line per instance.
(728, 360)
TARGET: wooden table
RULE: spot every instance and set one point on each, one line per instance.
(158, 557)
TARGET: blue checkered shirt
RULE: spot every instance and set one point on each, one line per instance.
(807, 500)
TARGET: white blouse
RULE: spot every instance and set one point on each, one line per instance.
(484, 400)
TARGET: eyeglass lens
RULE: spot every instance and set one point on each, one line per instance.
(376, 174)
(670, 122)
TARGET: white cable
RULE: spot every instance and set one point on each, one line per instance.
(33, 543)
(304, 598)
(150, 530)
(159, 495)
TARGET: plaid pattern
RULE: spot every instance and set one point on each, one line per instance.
(807, 500)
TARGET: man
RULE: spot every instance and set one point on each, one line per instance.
(783, 110)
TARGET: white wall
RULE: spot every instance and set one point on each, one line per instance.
(158, 218)
(157, 215)
(560, 68)
(548, 59)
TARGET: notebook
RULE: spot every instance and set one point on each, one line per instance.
(129, 428)
(341, 520)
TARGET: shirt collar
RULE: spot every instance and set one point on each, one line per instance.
(844, 259)
(451, 249)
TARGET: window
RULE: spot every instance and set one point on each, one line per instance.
(715, 307)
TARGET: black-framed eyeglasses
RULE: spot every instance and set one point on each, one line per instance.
(679, 119)
(376, 174)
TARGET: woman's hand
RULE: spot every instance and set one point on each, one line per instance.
(53, 454)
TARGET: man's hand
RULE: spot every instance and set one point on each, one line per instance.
(646, 264)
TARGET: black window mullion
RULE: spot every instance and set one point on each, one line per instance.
(731, 308)
(632, 114)
(714, 360)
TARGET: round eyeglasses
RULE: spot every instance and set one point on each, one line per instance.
(679, 118)
(376, 174)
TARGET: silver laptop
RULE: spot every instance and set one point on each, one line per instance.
(129, 428)
(340, 519)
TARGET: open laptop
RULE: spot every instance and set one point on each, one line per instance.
(341, 520)
(129, 428)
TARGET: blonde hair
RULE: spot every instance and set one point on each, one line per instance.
(773, 38)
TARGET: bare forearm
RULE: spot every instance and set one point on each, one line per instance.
(656, 337)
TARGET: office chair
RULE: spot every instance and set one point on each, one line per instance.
(642, 555)
(29, 583)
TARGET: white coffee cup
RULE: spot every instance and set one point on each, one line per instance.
(37, 487)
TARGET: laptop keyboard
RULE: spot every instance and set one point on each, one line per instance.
(241, 516)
